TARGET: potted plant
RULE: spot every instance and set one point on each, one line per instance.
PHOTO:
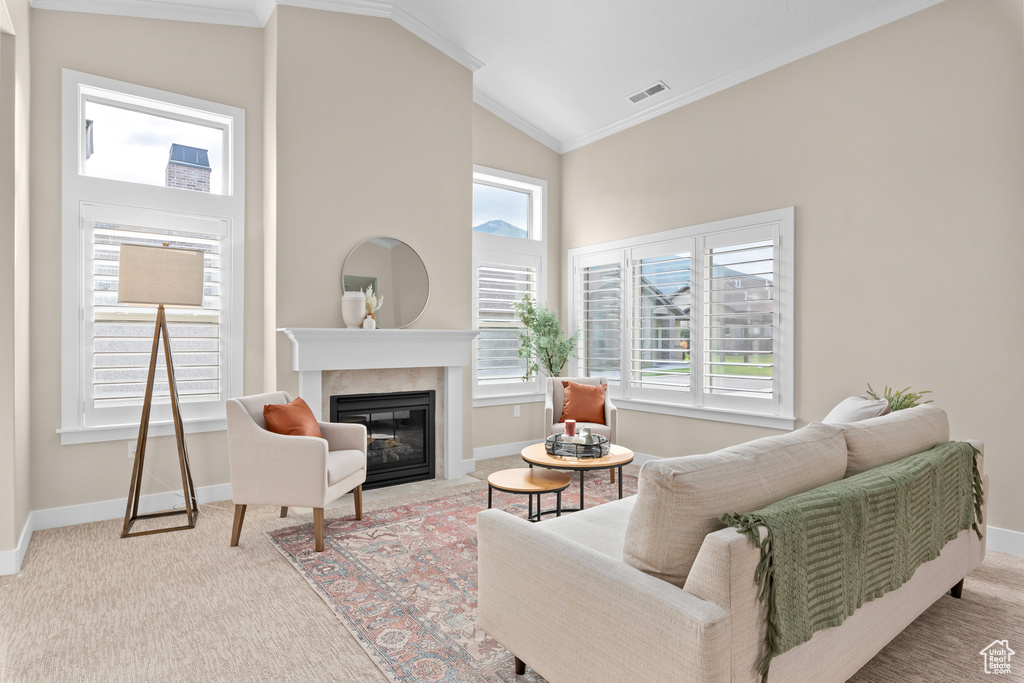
(543, 339)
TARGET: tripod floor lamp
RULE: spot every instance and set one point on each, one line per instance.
(154, 276)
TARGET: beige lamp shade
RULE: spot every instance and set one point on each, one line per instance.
(151, 276)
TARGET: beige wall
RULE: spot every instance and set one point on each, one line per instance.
(903, 152)
(14, 271)
(497, 144)
(217, 63)
(374, 138)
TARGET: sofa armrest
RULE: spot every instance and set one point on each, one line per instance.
(610, 416)
(539, 591)
(343, 436)
(549, 410)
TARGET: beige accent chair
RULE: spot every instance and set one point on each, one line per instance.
(291, 471)
(554, 399)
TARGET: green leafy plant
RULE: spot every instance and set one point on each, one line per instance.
(543, 339)
(898, 400)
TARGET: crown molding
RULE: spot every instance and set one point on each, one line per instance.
(432, 37)
(387, 10)
(880, 18)
(152, 10)
(519, 122)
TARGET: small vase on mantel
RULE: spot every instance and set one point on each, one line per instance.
(353, 309)
(369, 322)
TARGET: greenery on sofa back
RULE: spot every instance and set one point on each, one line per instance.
(898, 400)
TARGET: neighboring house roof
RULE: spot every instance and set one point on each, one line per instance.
(189, 156)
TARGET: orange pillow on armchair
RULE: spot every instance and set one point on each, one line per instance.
(583, 402)
(291, 419)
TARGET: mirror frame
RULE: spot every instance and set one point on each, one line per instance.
(426, 273)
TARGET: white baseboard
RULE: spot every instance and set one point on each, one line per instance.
(1005, 541)
(10, 560)
(488, 452)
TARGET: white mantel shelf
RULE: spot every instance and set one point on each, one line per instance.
(316, 350)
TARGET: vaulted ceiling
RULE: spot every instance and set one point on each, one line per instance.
(564, 70)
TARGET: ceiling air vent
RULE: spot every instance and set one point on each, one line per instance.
(647, 92)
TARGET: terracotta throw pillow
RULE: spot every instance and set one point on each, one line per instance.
(291, 419)
(583, 402)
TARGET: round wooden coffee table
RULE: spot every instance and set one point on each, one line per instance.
(531, 482)
(617, 458)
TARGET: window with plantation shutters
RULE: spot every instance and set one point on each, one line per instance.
(123, 335)
(111, 196)
(739, 320)
(509, 253)
(702, 326)
(499, 285)
(660, 320)
(599, 307)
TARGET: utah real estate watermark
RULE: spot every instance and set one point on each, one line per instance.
(997, 657)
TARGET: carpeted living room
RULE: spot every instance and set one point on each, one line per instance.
(429, 340)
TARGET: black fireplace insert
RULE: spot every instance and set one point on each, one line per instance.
(400, 434)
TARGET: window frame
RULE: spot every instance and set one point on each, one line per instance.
(779, 412)
(81, 193)
(498, 250)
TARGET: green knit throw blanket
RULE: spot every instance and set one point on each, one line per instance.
(831, 549)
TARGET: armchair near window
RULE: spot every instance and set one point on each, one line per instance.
(553, 402)
(291, 471)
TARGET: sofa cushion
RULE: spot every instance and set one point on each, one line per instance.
(601, 528)
(855, 409)
(341, 464)
(888, 438)
(680, 500)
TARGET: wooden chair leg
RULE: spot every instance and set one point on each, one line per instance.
(957, 591)
(520, 666)
(357, 493)
(612, 473)
(318, 528)
(284, 511)
(236, 530)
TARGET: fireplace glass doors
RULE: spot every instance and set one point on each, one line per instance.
(400, 434)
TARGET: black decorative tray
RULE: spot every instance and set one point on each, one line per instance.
(562, 446)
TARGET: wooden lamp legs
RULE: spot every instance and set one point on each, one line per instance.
(191, 511)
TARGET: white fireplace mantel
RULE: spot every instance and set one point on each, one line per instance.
(316, 350)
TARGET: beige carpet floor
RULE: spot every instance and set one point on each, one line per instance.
(89, 606)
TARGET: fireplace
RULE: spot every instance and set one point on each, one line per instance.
(399, 434)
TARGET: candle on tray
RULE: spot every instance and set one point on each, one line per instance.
(570, 427)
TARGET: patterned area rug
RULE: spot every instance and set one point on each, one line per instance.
(403, 580)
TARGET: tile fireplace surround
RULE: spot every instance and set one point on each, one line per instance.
(316, 351)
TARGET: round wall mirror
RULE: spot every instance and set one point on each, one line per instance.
(396, 272)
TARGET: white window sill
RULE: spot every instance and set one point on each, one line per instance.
(507, 399)
(76, 435)
(714, 414)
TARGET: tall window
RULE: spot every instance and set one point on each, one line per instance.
(142, 166)
(696, 321)
(509, 254)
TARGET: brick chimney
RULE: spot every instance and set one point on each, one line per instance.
(188, 168)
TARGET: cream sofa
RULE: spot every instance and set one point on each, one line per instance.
(566, 595)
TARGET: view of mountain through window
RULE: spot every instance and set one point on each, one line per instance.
(501, 211)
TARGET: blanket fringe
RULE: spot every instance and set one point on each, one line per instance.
(749, 526)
